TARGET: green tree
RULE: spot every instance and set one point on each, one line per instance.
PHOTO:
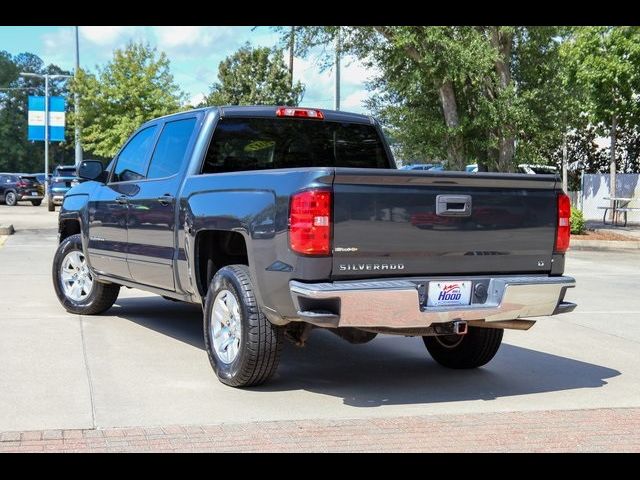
(604, 62)
(254, 76)
(134, 87)
(484, 94)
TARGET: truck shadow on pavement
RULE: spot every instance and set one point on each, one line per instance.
(389, 370)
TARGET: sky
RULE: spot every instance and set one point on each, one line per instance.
(194, 52)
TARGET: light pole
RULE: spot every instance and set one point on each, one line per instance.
(76, 100)
(337, 91)
(46, 77)
(292, 44)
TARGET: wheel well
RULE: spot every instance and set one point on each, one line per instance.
(68, 228)
(215, 249)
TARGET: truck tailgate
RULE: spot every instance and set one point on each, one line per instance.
(389, 223)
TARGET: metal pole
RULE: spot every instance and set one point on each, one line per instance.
(292, 40)
(76, 100)
(46, 142)
(581, 188)
(46, 77)
(337, 94)
(612, 166)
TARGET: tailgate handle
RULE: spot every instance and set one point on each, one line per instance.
(453, 205)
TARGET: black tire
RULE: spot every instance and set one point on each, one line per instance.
(102, 295)
(36, 203)
(260, 341)
(472, 350)
(51, 206)
(11, 199)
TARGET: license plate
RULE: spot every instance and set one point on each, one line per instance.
(443, 294)
(34, 194)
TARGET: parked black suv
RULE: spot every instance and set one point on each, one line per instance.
(16, 187)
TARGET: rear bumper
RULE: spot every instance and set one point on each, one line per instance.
(397, 303)
(24, 197)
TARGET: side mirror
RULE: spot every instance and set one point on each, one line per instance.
(91, 170)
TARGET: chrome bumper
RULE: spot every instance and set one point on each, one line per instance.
(396, 303)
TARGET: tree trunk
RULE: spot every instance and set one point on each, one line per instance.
(503, 42)
(450, 111)
(455, 147)
(506, 149)
(612, 164)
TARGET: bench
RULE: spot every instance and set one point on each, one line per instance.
(624, 210)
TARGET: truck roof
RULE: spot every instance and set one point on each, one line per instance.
(270, 111)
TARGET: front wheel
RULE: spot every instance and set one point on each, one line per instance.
(77, 290)
(472, 350)
(243, 346)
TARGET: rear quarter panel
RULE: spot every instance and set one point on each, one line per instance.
(256, 205)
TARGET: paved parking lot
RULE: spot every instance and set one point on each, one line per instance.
(143, 364)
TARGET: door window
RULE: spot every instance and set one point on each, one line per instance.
(133, 158)
(171, 148)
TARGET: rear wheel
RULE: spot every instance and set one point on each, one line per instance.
(243, 346)
(36, 203)
(11, 199)
(77, 290)
(472, 350)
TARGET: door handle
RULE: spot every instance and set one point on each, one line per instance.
(166, 199)
(122, 200)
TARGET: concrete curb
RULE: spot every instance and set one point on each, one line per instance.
(604, 245)
(6, 229)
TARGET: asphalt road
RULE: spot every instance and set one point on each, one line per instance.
(143, 362)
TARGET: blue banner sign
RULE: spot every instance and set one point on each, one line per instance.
(56, 118)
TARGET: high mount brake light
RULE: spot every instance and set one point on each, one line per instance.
(563, 232)
(299, 112)
(310, 222)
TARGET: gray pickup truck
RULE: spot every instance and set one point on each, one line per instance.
(279, 220)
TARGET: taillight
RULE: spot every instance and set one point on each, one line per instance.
(310, 222)
(563, 232)
(299, 112)
(22, 184)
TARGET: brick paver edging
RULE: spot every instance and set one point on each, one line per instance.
(607, 430)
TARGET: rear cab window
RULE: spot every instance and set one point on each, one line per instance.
(240, 144)
(169, 153)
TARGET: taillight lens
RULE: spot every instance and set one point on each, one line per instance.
(563, 233)
(310, 222)
(21, 184)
